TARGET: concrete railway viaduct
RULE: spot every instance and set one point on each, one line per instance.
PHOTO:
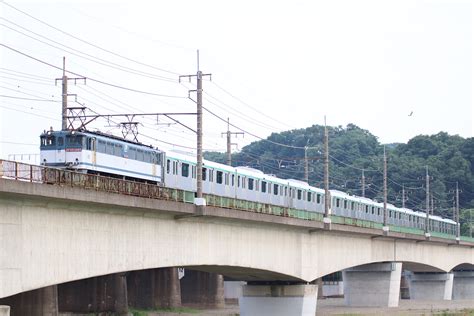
(55, 238)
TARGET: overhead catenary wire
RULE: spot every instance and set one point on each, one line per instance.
(86, 42)
(90, 78)
(89, 57)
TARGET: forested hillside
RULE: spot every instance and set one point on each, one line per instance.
(450, 159)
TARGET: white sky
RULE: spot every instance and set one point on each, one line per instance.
(370, 63)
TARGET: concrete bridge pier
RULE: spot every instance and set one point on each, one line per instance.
(463, 285)
(376, 284)
(106, 293)
(154, 288)
(4, 310)
(40, 302)
(431, 285)
(279, 300)
(202, 289)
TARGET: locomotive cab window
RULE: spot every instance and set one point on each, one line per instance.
(47, 141)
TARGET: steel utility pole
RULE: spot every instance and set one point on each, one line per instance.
(327, 198)
(64, 79)
(427, 220)
(432, 204)
(363, 183)
(403, 196)
(385, 222)
(306, 165)
(458, 226)
(64, 97)
(199, 75)
(229, 143)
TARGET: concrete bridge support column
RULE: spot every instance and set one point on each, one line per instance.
(154, 288)
(106, 293)
(431, 286)
(279, 300)
(376, 284)
(463, 285)
(202, 289)
(40, 302)
(4, 310)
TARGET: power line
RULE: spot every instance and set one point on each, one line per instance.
(24, 74)
(249, 106)
(27, 99)
(88, 43)
(101, 62)
(92, 79)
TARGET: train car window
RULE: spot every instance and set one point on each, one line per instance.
(367, 209)
(345, 204)
(219, 177)
(352, 206)
(399, 215)
(250, 184)
(60, 141)
(275, 189)
(238, 181)
(299, 194)
(378, 211)
(185, 170)
(118, 150)
(390, 214)
(204, 174)
(167, 166)
(89, 143)
(309, 196)
(286, 191)
(373, 210)
(232, 183)
(338, 202)
(109, 148)
(140, 155)
(318, 198)
(74, 140)
(264, 186)
(101, 146)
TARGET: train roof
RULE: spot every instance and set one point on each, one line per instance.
(95, 133)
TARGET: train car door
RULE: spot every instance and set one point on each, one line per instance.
(60, 149)
(94, 151)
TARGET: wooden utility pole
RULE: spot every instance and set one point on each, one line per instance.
(229, 143)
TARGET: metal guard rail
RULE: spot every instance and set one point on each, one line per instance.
(54, 176)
